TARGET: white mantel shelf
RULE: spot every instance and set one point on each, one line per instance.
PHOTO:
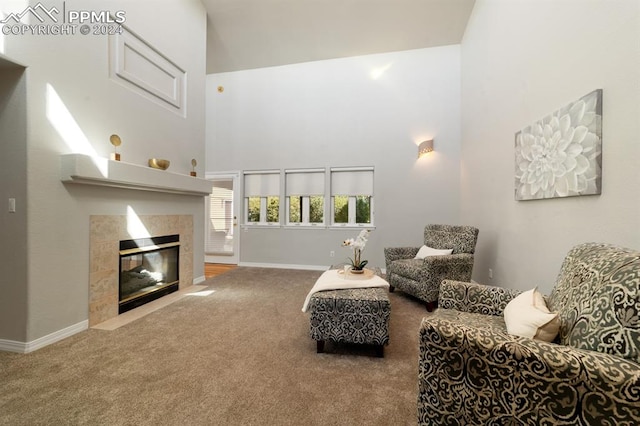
(85, 169)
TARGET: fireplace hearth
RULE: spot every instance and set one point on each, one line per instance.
(149, 269)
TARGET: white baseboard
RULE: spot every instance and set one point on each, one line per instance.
(291, 266)
(12, 346)
(26, 347)
(285, 266)
(199, 280)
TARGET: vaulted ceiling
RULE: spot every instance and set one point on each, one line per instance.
(246, 34)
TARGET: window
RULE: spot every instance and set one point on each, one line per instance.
(352, 196)
(261, 197)
(305, 196)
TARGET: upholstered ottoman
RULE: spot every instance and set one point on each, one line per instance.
(359, 315)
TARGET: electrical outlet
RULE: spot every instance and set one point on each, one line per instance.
(332, 253)
(490, 273)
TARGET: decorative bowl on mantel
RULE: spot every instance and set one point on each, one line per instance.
(159, 163)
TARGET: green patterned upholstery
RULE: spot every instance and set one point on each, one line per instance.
(421, 278)
(597, 296)
(471, 372)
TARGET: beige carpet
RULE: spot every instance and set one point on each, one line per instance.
(239, 355)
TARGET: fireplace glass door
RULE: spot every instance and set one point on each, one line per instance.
(148, 269)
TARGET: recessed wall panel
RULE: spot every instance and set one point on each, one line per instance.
(142, 68)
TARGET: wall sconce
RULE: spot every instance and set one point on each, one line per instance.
(425, 147)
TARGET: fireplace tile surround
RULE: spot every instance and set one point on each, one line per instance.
(106, 231)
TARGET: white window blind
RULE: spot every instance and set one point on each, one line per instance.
(352, 181)
(262, 184)
(304, 182)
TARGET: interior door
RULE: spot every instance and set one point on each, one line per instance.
(221, 239)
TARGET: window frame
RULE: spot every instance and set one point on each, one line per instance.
(352, 199)
(351, 222)
(263, 215)
(355, 185)
(305, 210)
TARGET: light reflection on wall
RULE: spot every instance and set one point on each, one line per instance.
(1, 37)
(376, 73)
(67, 127)
(135, 227)
(15, 7)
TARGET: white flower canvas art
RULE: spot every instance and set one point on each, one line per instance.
(561, 155)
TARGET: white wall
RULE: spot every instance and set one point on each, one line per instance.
(521, 61)
(77, 68)
(333, 113)
(13, 184)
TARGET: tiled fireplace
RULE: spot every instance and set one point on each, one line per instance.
(105, 236)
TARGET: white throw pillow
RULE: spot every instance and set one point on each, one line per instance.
(527, 315)
(549, 331)
(428, 251)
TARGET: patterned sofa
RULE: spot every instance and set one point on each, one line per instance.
(471, 372)
(422, 277)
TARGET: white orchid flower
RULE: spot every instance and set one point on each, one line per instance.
(358, 246)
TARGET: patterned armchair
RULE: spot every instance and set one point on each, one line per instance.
(472, 372)
(422, 277)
